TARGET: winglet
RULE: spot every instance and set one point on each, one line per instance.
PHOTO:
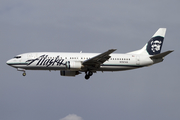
(111, 50)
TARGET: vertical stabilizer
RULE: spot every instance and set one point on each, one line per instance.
(154, 45)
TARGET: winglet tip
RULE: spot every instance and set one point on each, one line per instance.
(113, 49)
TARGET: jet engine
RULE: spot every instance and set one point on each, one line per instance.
(74, 65)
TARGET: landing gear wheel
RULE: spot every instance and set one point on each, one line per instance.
(90, 73)
(24, 74)
(87, 77)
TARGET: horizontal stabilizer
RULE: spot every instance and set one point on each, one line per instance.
(161, 55)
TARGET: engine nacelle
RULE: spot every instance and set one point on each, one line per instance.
(74, 65)
(69, 73)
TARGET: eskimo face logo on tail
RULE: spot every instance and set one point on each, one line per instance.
(154, 45)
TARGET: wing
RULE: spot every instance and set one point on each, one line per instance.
(96, 61)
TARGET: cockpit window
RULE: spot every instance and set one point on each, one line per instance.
(17, 57)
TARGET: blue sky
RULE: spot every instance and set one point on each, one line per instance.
(89, 26)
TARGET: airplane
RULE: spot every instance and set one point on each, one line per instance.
(72, 64)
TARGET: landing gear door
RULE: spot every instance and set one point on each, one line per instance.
(137, 60)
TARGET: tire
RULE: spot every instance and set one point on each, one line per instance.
(87, 77)
(24, 74)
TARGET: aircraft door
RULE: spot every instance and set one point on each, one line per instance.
(137, 60)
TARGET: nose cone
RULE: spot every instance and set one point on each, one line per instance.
(9, 62)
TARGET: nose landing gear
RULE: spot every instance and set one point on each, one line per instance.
(24, 72)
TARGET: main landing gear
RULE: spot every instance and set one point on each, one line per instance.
(88, 74)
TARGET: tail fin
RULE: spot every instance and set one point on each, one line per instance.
(154, 45)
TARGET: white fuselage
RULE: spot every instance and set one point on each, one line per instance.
(72, 64)
(59, 61)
